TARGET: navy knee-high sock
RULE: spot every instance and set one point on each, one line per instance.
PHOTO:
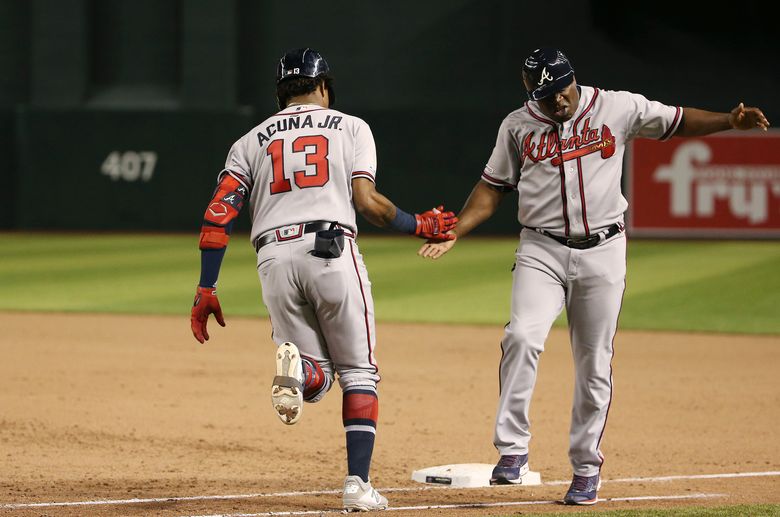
(359, 411)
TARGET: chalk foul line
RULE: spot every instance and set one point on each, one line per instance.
(468, 505)
(329, 492)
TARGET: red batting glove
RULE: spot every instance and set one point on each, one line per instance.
(434, 224)
(206, 302)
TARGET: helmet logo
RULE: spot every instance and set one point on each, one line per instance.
(545, 76)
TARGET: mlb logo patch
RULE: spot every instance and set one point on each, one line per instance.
(289, 232)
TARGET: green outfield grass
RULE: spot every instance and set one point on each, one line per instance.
(728, 286)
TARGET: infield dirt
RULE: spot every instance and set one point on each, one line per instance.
(119, 407)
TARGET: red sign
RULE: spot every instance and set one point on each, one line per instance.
(718, 186)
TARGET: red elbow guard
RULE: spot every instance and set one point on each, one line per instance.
(226, 203)
(223, 208)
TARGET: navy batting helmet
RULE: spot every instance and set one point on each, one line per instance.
(546, 71)
(305, 62)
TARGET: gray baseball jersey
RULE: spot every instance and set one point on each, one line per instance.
(568, 180)
(299, 165)
(573, 188)
(302, 161)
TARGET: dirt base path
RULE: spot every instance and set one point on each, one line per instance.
(120, 407)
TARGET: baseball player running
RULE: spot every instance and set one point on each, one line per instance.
(304, 171)
(563, 153)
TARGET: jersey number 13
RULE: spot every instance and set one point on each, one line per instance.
(316, 149)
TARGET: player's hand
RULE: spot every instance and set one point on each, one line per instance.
(743, 117)
(435, 249)
(434, 223)
(206, 302)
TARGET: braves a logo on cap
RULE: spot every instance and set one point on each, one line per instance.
(545, 77)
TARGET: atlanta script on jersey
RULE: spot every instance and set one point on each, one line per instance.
(568, 175)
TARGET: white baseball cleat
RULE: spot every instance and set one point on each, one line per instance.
(360, 496)
(287, 389)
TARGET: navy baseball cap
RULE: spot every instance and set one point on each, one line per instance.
(546, 71)
(305, 62)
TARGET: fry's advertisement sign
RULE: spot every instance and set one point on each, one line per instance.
(718, 186)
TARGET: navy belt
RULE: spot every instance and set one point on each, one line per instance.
(583, 243)
(293, 231)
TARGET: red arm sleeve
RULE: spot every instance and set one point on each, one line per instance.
(225, 205)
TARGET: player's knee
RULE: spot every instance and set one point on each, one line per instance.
(522, 339)
(358, 378)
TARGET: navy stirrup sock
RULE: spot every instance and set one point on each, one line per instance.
(360, 410)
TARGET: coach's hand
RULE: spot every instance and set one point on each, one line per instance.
(435, 249)
(206, 302)
(745, 117)
(434, 223)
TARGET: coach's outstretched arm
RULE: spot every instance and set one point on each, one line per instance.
(380, 211)
(697, 122)
(481, 204)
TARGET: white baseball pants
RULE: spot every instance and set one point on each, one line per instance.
(590, 283)
(324, 306)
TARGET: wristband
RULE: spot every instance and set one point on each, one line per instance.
(403, 222)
